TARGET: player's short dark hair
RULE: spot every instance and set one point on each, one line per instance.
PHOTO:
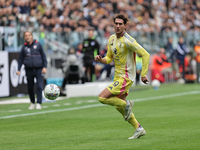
(121, 16)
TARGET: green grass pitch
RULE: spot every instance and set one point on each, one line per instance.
(170, 116)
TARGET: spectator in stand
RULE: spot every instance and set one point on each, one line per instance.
(79, 53)
(171, 55)
(190, 76)
(24, 7)
(160, 65)
(197, 51)
(148, 15)
(157, 17)
(79, 49)
(182, 50)
(42, 7)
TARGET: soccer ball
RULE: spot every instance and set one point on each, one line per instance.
(51, 91)
(155, 83)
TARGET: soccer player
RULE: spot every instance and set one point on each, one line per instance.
(123, 48)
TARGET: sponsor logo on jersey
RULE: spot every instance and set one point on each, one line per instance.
(115, 51)
(112, 42)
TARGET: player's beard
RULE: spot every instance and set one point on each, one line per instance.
(119, 32)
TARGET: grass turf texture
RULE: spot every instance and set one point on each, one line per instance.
(171, 122)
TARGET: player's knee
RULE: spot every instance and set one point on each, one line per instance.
(117, 107)
(102, 100)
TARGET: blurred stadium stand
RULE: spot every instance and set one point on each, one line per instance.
(59, 25)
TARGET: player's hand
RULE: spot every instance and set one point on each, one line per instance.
(18, 73)
(98, 58)
(145, 80)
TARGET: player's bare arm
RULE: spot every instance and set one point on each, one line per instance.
(98, 58)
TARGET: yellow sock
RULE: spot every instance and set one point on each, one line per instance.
(113, 101)
(132, 120)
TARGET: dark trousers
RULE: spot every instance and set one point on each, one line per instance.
(89, 67)
(182, 65)
(198, 72)
(31, 74)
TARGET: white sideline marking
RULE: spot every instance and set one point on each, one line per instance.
(91, 101)
(44, 106)
(67, 104)
(56, 105)
(15, 110)
(79, 102)
(98, 105)
(51, 111)
(165, 96)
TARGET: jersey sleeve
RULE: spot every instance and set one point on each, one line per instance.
(109, 55)
(134, 46)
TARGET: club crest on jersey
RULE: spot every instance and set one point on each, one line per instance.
(115, 51)
(35, 46)
(112, 42)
